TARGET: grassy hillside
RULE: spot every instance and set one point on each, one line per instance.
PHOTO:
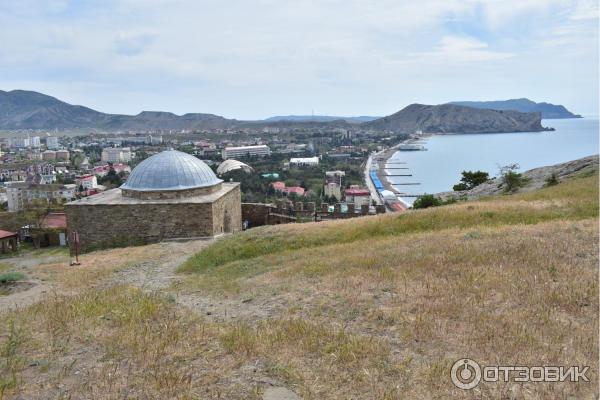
(510, 280)
(370, 308)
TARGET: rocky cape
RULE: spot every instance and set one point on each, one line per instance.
(534, 179)
(20, 109)
(548, 110)
(450, 118)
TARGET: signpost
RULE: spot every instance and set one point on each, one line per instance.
(74, 238)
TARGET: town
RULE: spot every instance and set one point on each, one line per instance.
(286, 174)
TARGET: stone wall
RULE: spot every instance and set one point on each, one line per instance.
(169, 194)
(227, 212)
(257, 214)
(107, 225)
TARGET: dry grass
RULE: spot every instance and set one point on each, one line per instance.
(95, 266)
(373, 308)
(572, 200)
(522, 295)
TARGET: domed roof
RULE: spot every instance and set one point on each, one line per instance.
(231, 165)
(171, 170)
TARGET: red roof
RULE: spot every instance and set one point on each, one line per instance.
(6, 234)
(357, 192)
(278, 185)
(294, 189)
(55, 220)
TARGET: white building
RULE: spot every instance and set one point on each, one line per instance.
(19, 142)
(35, 142)
(236, 152)
(88, 182)
(333, 189)
(52, 143)
(306, 161)
(19, 194)
(358, 195)
(116, 154)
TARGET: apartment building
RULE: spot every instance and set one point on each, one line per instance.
(243, 151)
(116, 154)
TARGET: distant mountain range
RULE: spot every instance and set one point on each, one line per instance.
(549, 111)
(20, 109)
(320, 118)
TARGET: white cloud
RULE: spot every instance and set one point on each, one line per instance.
(251, 59)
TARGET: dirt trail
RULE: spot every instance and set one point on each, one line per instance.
(160, 273)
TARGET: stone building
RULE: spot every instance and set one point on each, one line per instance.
(171, 195)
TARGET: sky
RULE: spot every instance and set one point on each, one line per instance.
(251, 59)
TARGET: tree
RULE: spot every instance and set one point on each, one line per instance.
(471, 179)
(552, 180)
(511, 178)
(426, 201)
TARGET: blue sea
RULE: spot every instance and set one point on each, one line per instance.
(439, 167)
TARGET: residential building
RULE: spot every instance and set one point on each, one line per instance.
(49, 155)
(19, 142)
(304, 161)
(280, 187)
(102, 170)
(62, 155)
(88, 182)
(19, 194)
(116, 154)
(243, 151)
(333, 189)
(52, 143)
(358, 196)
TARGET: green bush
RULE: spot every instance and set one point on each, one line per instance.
(552, 180)
(9, 277)
(512, 179)
(426, 201)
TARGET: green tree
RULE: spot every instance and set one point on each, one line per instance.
(471, 179)
(552, 180)
(512, 179)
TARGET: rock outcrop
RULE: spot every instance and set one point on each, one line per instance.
(535, 179)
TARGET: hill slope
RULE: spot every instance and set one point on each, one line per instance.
(431, 286)
(20, 109)
(370, 308)
(548, 110)
(450, 118)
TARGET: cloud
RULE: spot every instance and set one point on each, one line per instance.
(460, 50)
(128, 43)
(250, 59)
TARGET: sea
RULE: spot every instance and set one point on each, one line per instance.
(439, 167)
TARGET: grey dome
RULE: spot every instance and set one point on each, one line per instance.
(171, 170)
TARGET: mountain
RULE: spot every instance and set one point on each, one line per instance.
(320, 118)
(21, 109)
(450, 118)
(549, 111)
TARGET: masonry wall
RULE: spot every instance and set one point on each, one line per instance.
(227, 212)
(257, 214)
(101, 226)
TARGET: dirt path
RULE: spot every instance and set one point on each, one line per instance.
(160, 273)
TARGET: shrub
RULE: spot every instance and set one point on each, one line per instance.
(9, 277)
(426, 201)
(512, 179)
(552, 180)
